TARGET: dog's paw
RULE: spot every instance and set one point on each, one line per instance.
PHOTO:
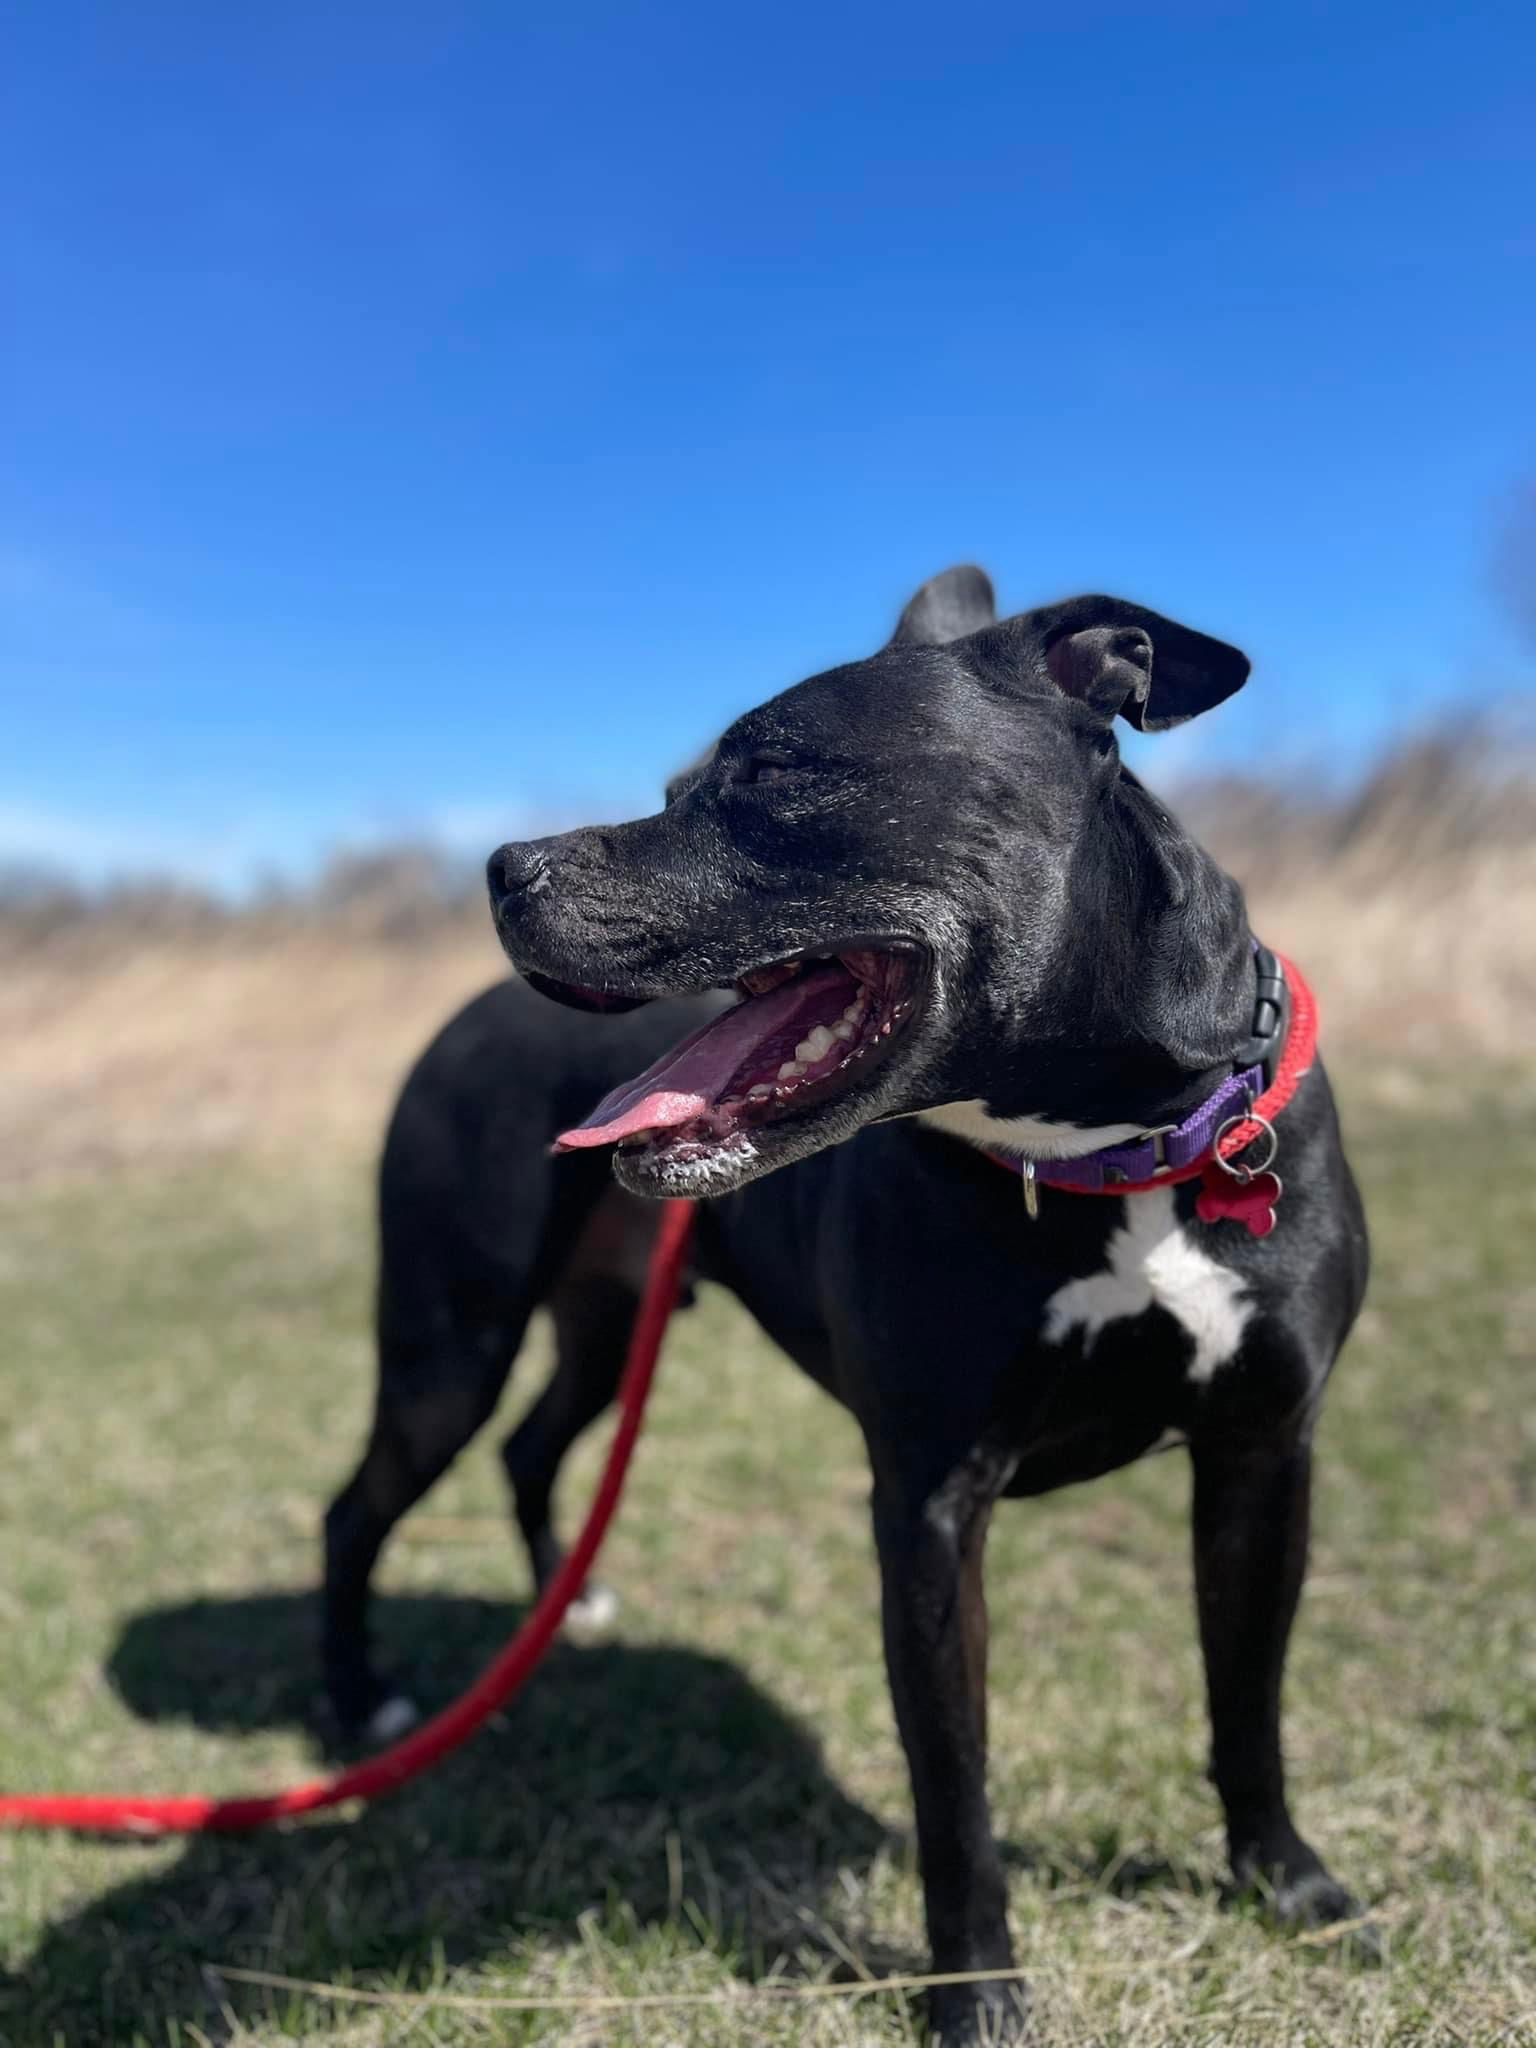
(1300, 1896)
(591, 1614)
(1318, 1904)
(1313, 1900)
(981, 2016)
(390, 1720)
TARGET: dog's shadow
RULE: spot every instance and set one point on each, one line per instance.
(653, 1781)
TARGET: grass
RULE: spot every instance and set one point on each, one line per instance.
(716, 1796)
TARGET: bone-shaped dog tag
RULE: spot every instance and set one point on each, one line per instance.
(1252, 1201)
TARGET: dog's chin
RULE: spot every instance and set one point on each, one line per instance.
(690, 1173)
(696, 1168)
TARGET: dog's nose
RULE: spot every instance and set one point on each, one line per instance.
(516, 870)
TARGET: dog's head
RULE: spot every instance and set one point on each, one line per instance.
(902, 867)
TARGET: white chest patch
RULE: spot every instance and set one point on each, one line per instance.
(1153, 1264)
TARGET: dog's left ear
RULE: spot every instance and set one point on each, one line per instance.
(1117, 657)
(949, 605)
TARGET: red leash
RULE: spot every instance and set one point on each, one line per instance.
(447, 1731)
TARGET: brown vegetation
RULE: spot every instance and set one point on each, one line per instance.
(156, 1022)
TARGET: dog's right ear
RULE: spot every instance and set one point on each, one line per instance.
(1115, 657)
(948, 606)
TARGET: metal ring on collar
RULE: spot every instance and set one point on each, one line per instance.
(1249, 1169)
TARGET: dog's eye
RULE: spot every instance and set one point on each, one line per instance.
(768, 765)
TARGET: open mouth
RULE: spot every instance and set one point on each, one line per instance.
(807, 1031)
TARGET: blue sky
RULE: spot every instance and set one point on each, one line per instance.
(441, 419)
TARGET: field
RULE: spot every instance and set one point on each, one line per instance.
(713, 1801)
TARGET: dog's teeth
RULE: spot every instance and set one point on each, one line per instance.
(815, 1045)
(791, 1070)
(760, 1089)
(843, 1029)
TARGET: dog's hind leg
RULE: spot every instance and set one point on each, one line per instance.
(437, 1386)
(593, 1306)
(1252, 1509)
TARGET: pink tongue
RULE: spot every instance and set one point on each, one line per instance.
(687, 1081)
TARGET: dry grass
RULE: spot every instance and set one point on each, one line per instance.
(1411, 899)
(238, 1039)
(290, 1044)
(160, 1026)
(1436, 962)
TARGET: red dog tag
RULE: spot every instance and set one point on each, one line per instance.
(1223, 1198)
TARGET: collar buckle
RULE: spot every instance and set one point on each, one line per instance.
(1157, 1138)
(1271, 1011)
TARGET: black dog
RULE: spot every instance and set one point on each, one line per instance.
(957, 927)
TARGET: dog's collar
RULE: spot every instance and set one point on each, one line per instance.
(1267, 1072)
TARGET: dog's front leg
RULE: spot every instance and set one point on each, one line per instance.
(1252, 1511)
(935, 1623)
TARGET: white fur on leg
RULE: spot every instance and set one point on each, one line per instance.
(592, 1613)
(393, 1718)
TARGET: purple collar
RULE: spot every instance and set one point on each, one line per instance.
(1167, 1148)
(1159, 1151)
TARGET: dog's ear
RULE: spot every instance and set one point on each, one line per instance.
(1117, 657)
(948, 607)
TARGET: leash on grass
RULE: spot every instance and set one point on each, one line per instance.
(501, 1679)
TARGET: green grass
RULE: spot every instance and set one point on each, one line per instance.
(716, 1795)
